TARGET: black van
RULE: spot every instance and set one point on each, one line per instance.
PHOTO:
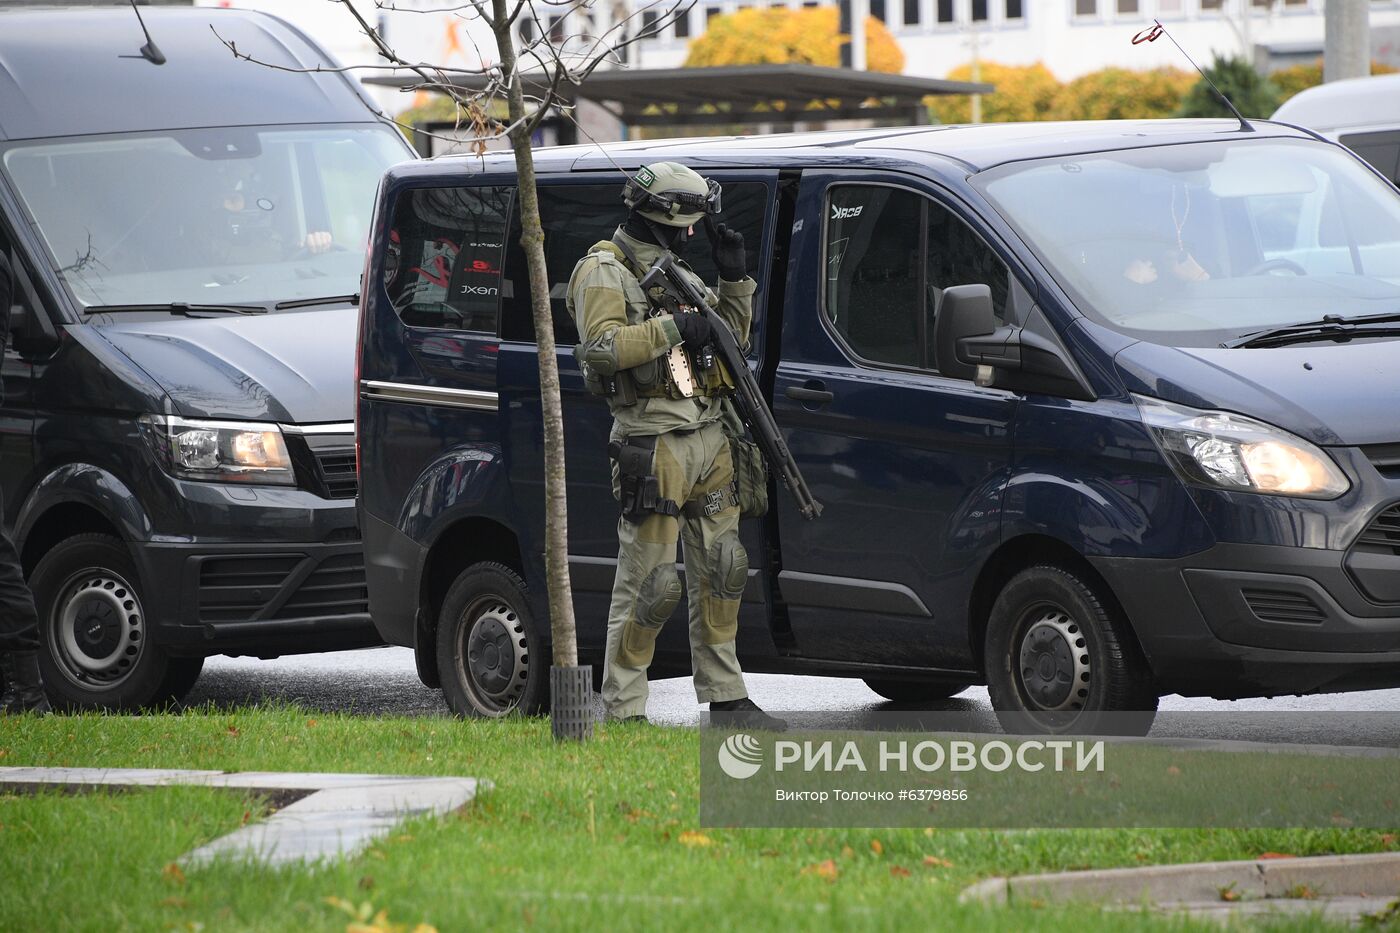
(1097, 412)
(176, 438)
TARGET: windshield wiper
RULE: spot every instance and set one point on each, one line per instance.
(182, 308)
(313, 302)
(1329, 327)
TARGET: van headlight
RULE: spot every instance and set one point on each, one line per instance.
(224, 451)
(1230, 451)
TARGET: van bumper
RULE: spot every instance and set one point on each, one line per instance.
(280, 573)
(1251, 620)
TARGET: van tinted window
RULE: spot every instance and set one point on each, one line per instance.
(890, 253)
(577, 216)
(1380, 149)
(446, 250)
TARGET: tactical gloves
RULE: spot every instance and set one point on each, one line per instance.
(727, 249)
(694, 328)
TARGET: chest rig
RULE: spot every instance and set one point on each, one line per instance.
(681, 373)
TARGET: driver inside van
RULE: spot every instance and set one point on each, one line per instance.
(245, 228)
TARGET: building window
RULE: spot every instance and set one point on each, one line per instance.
(1086, 8)
(1128, 7)
(1013, 9)
(527, 30)
(1169, 7)
(877, 9)
(710, 13)
(979, 11)
(556, 30)
(683, 23)
(945, 11)
(648, 24)
(1211, 6)
(911, 12)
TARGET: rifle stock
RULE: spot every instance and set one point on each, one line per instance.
(752, 407)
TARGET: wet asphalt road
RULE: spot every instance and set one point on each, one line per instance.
(383, 681)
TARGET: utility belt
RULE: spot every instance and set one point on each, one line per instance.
(641, 489)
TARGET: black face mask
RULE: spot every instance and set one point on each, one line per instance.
(649, 231)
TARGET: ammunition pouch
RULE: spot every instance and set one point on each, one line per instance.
(620, 387)
(641, 490)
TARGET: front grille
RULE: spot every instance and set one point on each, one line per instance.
(1385, 458)
(337, 466)
(245, 589)
(1382, 536)
(1280, 606)
(336, 588)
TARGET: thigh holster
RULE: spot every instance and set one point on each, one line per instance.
(641, 490)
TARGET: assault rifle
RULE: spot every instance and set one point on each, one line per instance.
(752, 408)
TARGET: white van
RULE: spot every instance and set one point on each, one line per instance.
(1362, 114)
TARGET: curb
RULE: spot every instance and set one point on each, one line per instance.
(1324, 876)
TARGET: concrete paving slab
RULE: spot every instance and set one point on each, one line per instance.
(340, 814)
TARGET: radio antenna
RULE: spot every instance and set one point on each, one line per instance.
(150, 52)
(1155, 31)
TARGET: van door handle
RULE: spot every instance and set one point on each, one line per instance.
(811, 392)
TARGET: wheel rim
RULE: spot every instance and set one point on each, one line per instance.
(1054, 670)
(495, 656)
(98, 629)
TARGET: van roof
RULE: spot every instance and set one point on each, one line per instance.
(78, 72)
(974, 148)
(1339, 105)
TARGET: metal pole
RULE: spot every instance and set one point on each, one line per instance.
(1346, 50)
(976, 74)
(860, 9)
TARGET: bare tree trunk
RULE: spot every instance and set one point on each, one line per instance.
(556, 515)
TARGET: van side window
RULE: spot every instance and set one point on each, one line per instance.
(446, 250)
(890, 253)
(1381, 149)
(577, 216)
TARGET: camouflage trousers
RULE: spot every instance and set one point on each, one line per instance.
(692, 468)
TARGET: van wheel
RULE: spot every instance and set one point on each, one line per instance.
(97, 647)
(490, 656)
(1058, 660)
(914, 691)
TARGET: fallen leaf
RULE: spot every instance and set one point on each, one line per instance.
(1269, 855)
(1387, 839)
(311, 722)
(826, 870)
(933, 861)
(692, 838)
(847, 852)
(770, 853)
(1229, 894)
(233, 730)
(877, 847)
(174, 873)
(366, 882)
(1173, 770)
(899, 871)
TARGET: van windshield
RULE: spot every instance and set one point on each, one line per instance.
(1196, 245)
(228, 216)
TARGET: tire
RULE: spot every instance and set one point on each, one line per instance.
(490, 653)
(97, 649)
(1060, 660)
(915, 691)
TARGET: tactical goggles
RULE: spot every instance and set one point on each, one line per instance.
(674, 202)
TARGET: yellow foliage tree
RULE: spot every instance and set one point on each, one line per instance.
(1122, 94)
(1295, 78)
(777, 35)
(1023, 92)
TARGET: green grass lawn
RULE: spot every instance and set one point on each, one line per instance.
(600, 835)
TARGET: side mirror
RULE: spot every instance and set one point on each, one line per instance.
(31, 333)
(966, 312)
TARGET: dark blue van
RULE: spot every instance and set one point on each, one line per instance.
(176, 436)
(1098, 412)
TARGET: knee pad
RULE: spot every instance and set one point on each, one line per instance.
(729, 567)
(657, 598)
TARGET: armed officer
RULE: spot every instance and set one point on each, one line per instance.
(671, 462)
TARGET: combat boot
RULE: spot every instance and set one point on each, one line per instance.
(745, 712)
(24, 688)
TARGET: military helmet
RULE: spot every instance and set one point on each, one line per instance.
(671, 194)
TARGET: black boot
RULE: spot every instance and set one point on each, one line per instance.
(24, 688)
(745, 712)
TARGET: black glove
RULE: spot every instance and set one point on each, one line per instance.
(727, 248)
(694, 328)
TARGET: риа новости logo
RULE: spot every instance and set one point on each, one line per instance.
(740, 756)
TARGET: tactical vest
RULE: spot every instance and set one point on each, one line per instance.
(656, 378)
